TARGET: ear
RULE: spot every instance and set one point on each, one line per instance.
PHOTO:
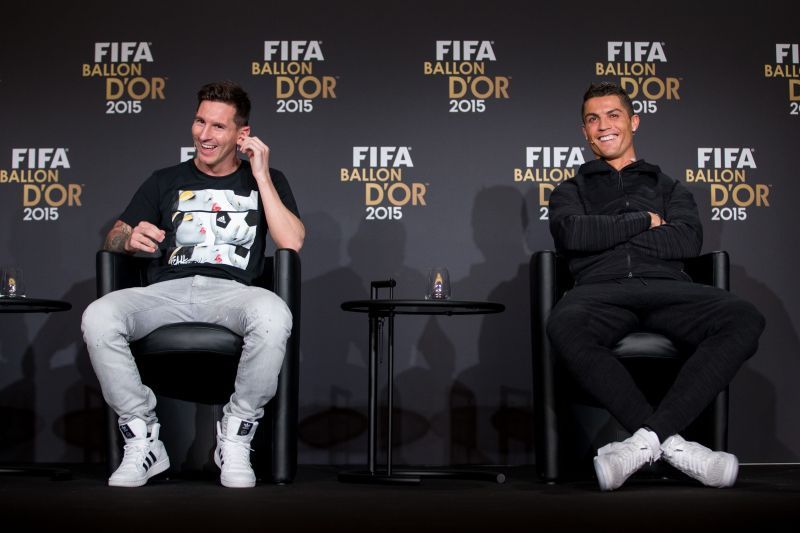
(244, 131)
(635, 122)
(583, 130)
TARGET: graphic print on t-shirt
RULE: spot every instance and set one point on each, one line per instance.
(214, 226)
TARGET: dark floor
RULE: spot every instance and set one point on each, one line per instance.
(766, 498)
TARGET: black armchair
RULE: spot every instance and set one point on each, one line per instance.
(163, 355)
(570, 426)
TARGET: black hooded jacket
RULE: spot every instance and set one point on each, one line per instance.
(599, 222)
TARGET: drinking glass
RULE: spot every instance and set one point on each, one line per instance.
(13, 285)
(438, 284)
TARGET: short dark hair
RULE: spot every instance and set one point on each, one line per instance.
(229, 93)
(607, 88)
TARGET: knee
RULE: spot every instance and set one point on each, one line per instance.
(564, 322)
(756, 318)
(100, 326)
(753, 322)
(745, 317)
(95, 318)
(268, 312)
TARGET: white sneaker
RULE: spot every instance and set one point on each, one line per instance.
(616, 462)
(233, 452)
(145, 455)
(715, 469)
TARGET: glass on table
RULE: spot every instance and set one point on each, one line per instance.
(13, 285)
(438, 284)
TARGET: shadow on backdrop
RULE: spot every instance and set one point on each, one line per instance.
(333, 367)
(491, 402)
(753, 404)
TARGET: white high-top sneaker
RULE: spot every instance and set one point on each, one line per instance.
(145, 455)
(233, 452)
(616, 462)
(715, 469)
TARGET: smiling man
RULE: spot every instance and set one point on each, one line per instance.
(625, 228)
(205, 221)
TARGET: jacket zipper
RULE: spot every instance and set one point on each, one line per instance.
(627, 250)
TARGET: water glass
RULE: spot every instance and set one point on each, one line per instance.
(438, 284)
(13, 285)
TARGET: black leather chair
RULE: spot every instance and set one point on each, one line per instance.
(212, 352)
(569, 425)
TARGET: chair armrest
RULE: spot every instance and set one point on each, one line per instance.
(712, 269)
(543, 287)
(119, 271)
(285, 405)
(544, 295)
(286, 278)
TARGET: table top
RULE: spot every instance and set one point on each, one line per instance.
(19, 304)
(422, 307)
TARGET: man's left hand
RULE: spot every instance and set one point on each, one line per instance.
(258, 154)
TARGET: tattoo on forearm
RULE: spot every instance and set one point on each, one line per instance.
(115, 240)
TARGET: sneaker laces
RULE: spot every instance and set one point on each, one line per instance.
(633, 455)
(630, 454)
(691, 457)
(234, 451)
(135, 452)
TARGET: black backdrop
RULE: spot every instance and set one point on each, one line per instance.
(86, 122)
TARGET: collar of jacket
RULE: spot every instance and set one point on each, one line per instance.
(601, 166)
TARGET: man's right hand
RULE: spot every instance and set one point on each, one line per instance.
(143, 238)
(655, 220)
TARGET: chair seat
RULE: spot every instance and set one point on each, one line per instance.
(167, 357)
(646, 345)
(189, 337)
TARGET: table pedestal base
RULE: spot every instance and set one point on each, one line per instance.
(54, 473)
(414, 477)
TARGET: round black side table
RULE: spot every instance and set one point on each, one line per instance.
(19, 304)
(379, 309)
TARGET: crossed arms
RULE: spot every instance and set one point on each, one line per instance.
(677, 234)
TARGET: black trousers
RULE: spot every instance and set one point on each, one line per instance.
(719, 330)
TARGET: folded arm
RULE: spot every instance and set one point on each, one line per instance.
(681, 234)
(575, 231)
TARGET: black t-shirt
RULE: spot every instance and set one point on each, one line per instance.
(215, 225)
